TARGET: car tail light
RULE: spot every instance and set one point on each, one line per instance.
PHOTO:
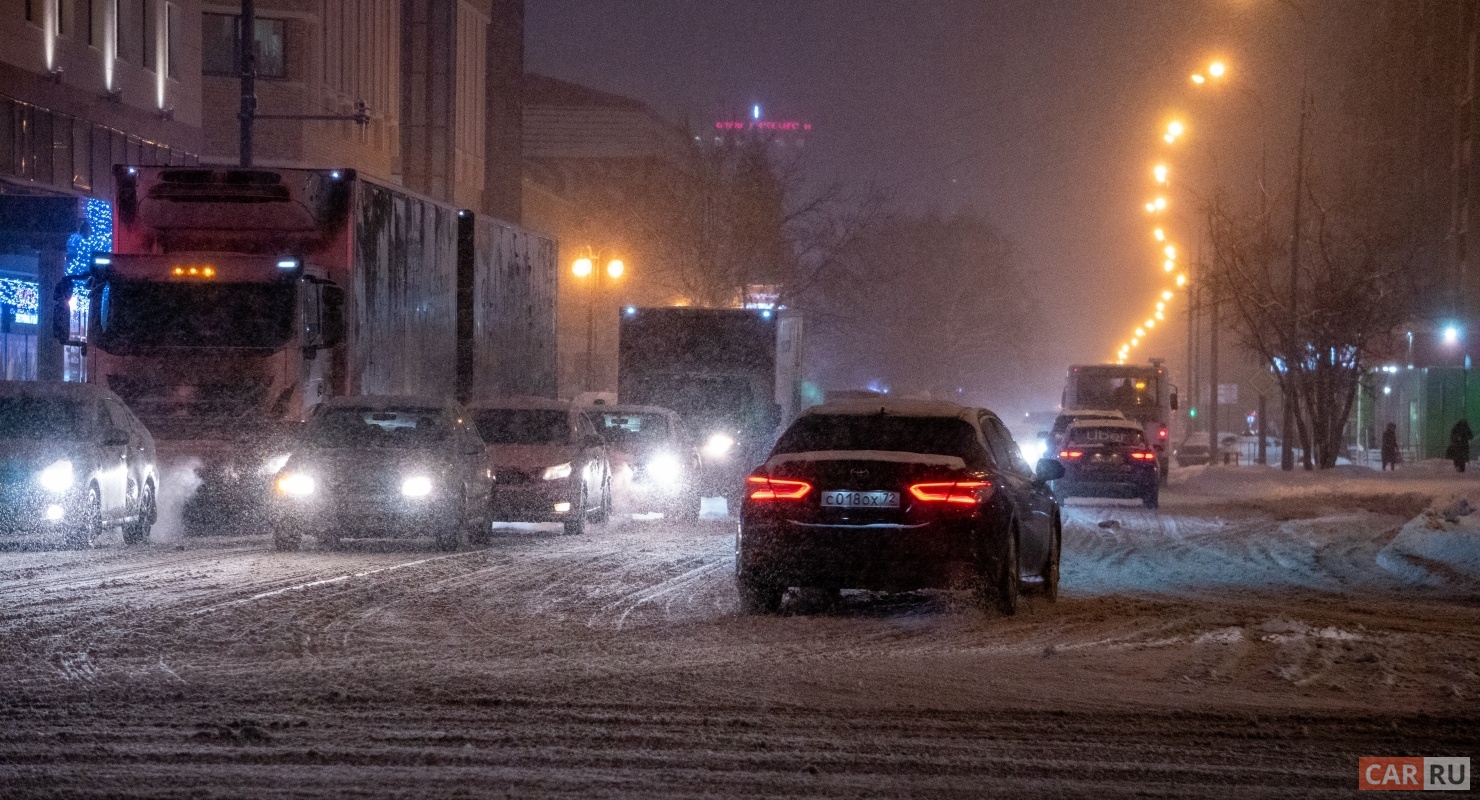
(1070, 454)
(764, 488)
(1143, 455)
(1161, 432)
(963, 492)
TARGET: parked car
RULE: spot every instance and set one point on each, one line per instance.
(1193, 451)
(74, 462)
(1108, 458)
(549, 464)
(650, 450)
(383, 467)
(898, 496)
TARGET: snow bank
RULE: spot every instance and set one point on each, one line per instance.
(1440, 547)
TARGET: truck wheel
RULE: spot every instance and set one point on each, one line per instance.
(138, 530)
(84, 535)
(758, 596)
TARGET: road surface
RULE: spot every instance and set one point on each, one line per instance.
(1220, 648)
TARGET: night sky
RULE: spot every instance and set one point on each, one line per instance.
(1042, 116)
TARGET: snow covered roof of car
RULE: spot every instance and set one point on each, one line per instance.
(521, 403)
(386, 402)
(1092, 413)
(631, 409)
(898, 408)
(59, 390)
(1105, 423)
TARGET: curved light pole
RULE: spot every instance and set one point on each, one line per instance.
(585, 268)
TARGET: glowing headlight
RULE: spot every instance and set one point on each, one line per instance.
(557, 472)
(274, 465)
(664, 469)
(719, 445)
(57, 477)
(416, 486)
(296, 484)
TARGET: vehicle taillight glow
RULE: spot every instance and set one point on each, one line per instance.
(764, 488)
(1070, 454)
(1143, 455)
(1161, 433)
(962, 492)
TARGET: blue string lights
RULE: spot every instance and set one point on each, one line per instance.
(99, 239)
(22, 296)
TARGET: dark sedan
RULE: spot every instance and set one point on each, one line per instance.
(1109, 458)
(898, 496)
(383, 467)
(74, 462)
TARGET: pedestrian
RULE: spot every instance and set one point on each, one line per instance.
(1459, 444)
(1390, 453)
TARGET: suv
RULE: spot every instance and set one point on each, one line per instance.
(649, 449)
(898, 496)
(74, 461)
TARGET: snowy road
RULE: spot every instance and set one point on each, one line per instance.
(1232, 645)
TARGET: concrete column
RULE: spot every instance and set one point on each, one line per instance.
(51, 269)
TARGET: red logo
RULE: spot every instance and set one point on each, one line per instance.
(1414, 773)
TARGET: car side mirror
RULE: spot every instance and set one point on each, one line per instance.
(1049, 469)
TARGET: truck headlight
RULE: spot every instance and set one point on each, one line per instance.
(57, 477)
(664, 469)
(557, 472)
(416, 486)
(719, 445)
(296, 484)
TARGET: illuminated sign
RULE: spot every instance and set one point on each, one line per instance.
(763, 125)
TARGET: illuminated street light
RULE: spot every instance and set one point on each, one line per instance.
(615, 268)
(1149, 324)
(1168, 265)
(582, 267)
(1161, 306)
(1150, 208)
(1171, 252)
(1161, 235)
(1139, 333)
(1166, 295)
(1174, 129)
(1135, 341)
(1160, 203)
(1160, 171)
(1216, 69)
(1160, 315)
(1181, 280)
(1451, 334)
(1198, 79)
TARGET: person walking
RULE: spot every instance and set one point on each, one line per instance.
(1390, 453)
(1459, 444)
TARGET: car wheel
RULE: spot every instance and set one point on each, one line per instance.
(85, 533)
(758, 596)
(575, 525)
(1152, 498)
(1051, 570)
(998, 588)
(138, 530)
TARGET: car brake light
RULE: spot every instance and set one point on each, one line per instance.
(1143, 455)
(1161, 433)
(1070, 454)
(764, 488)
(964, 492)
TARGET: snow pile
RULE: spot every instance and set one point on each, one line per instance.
(1440, 547)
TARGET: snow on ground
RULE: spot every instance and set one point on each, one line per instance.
(1248, 639)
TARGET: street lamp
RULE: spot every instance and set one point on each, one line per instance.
(584, 267)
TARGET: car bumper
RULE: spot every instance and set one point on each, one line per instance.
(28, 514)
(547, 501)
(1129, 484)
(881, 558)
(375, 518)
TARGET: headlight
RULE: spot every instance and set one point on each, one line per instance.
(416, 486)
(296, 484)
(664, 469)
(274, 465)
(557, 472)
(719, 445)
(57, 477)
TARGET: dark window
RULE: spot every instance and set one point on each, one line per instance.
(945, 436)
(523, 426)
(171, 34)
(38, 418)
(150, 32)
(148, 314)
(620, 429)
(221, 44)
(30, 11)
(377, 427)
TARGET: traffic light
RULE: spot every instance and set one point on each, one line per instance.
(1192, 411)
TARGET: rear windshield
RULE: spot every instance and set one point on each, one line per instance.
(38, 418)
(928, 435)
(1107, 436)
(376, 427)
(523, 426)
